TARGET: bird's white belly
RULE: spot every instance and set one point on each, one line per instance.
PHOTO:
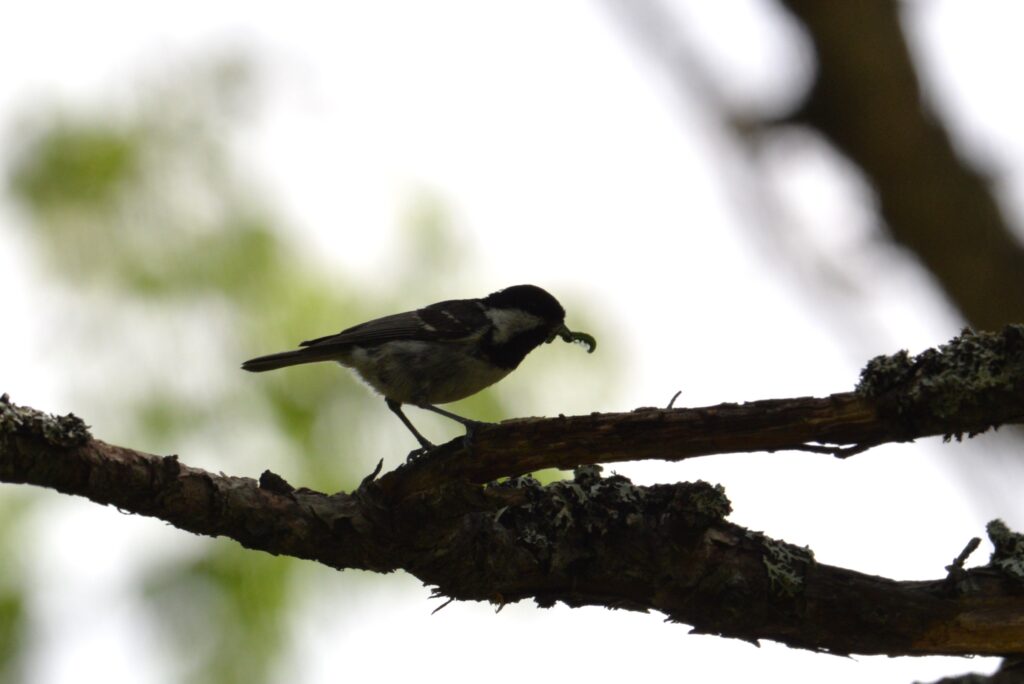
(422, 372)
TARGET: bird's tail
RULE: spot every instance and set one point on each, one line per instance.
(289, 358)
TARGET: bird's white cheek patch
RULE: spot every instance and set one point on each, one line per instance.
(509, 322)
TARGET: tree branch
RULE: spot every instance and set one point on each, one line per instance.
(967, 386)
(604, 541)
(867, 100)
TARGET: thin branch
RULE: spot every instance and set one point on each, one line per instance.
(837, 451)
(974, 382)
(956, 568)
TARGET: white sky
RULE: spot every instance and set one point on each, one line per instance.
(570, 162)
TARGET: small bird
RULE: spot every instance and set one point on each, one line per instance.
(440, 353)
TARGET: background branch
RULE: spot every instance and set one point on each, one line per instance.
(867, 100)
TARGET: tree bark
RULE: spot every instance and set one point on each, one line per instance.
(605, 541)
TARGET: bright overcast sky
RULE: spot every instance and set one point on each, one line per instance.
(568, 160)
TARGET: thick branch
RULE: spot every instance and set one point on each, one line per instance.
(867, 100)
(594, 541)
(590, 541)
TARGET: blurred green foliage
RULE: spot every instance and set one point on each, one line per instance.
(75, 166)
(142, 216)
(182, 270)
(221, 608)
(14, 588)
(12, 632)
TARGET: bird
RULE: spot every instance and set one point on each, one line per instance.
(440, 353)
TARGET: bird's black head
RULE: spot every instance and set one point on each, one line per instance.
(522, 317)
(529, 298)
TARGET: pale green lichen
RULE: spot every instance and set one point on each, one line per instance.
(711, 501)
(1008, 553)
(784, 563)
(952, 378)
(595, 505)
(64, 431)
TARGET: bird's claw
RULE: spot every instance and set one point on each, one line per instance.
(471, 427)
(416, 454)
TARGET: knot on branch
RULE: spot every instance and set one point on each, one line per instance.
(966, 377)
(62, 431)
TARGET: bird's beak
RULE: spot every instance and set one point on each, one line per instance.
(570, 336)
(560, 331)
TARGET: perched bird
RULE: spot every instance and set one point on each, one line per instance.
(440, 353)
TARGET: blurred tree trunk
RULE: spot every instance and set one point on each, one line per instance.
(867, 100)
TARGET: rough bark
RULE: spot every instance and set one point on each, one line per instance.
(605, 541)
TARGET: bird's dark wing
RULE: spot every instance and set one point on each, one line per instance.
(451, 320)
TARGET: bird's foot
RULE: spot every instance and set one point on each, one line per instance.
(424, 449)
(471, 427)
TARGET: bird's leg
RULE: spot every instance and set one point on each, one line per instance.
(470, 424)
(448, 414)
(425, 444)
